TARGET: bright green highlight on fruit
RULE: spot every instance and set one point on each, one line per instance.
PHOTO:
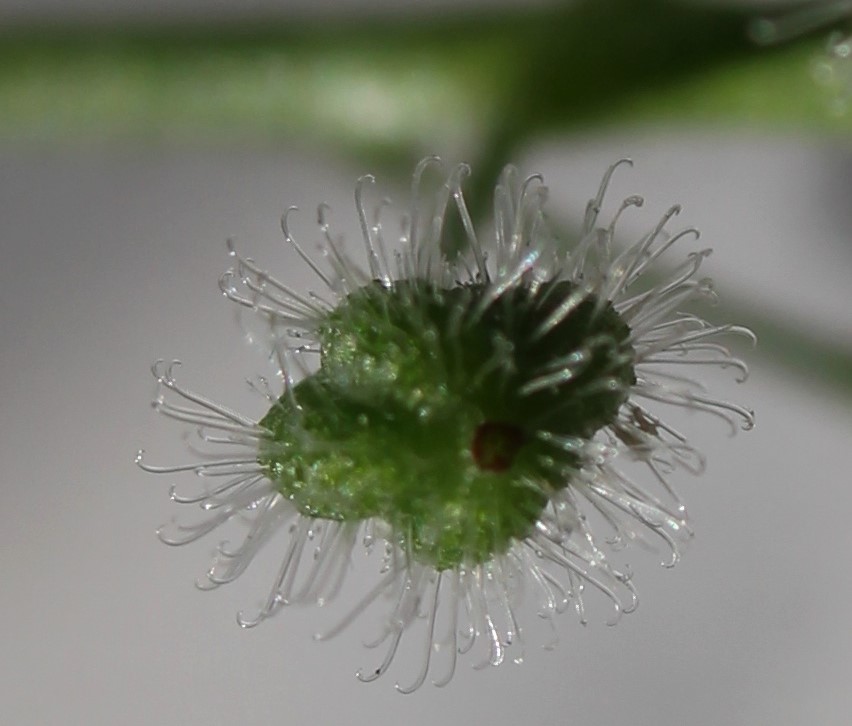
(436, 411)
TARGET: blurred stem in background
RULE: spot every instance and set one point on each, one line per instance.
(393, 90)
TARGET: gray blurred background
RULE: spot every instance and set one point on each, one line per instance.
(111, 248)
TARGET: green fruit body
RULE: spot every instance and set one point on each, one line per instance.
(435, 410)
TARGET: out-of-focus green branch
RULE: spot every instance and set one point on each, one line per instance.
(391, 87)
